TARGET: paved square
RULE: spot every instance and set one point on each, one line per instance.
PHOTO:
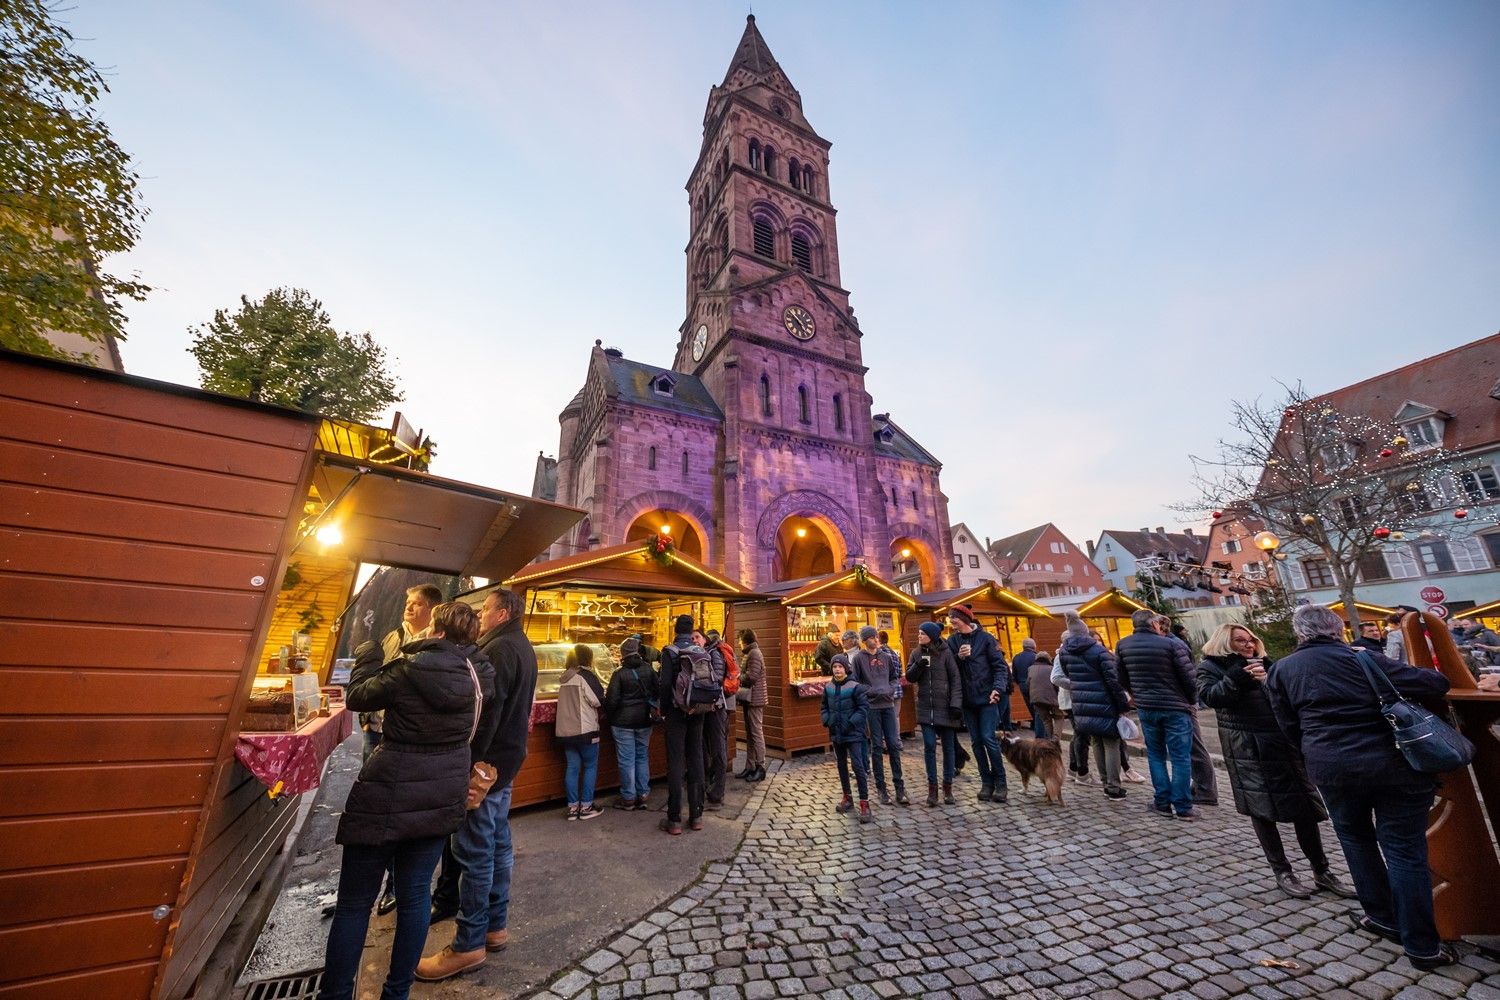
(1095, 899)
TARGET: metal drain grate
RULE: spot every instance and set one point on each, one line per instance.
(299, 987)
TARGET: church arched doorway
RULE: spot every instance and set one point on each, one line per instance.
(912, 561)
(807, 546)
(685, 534)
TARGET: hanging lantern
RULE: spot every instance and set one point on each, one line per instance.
(1460, 513)
(1218, 514)
(1382, 533)
(1399, 441)
(1309, 519)
(1386, 453)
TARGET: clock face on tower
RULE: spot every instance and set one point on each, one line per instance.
(700, 342)
(799, 322)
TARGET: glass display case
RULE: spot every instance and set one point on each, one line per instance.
(282, 703)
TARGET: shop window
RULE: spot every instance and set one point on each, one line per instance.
(764, 238)
(765, 395)
(1435, 557)
(838, 412)
(1319, 573)
(801, 252)
(1479, 485)
(973, 562)
(651, 458)
(804, 414)
(1373, 567)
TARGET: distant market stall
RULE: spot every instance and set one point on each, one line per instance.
(147, 617)
(1109, 614)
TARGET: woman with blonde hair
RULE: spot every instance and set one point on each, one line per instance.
(1266, 771)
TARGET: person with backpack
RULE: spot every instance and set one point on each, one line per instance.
(878, 670)
(716, 723)
(752, 699)
(578, 699)
(687, 694)
(846, 710)
(628, 706)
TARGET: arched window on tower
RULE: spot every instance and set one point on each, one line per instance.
(765, 395)
(896, 500)
(764, 237)
(804, 413)
(768, 154)
(651, 458)
(754, 154)
(838, 412)
(684, 462)
(794, 172)
(807, 180)
(802, 252)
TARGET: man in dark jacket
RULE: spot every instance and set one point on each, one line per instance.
(1020, 670)
(477, 887)
(1370, 638)
(1205, 781)
(985, 679)
(1158, 672)
(684, 736)
(877, 668)
(1326, 705)
(828, 647)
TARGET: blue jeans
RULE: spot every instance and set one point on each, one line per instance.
(930, 737)
(1383, 831)
(359, 883)
(842, 752)
(583, 758)
(633, 752)
(885, 738)
(483, 850)
(982, 721)
(1004, 707)
(1169, 738)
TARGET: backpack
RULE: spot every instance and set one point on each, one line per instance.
(731, 671)
(695, 690)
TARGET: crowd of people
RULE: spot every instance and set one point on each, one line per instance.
(445, 703)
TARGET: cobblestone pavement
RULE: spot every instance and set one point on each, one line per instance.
(1094, 899)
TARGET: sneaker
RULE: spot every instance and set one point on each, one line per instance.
(641, 805)
(1364, 923)
(1134, 777)
(998, 795)
(1114, 793)
(590, 811)
(1165, 811)
(901, 799)
(885, 797)
(1083, 779)
(572, 813)
(1445, 956)
(1188, 817)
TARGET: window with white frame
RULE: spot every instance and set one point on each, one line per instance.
(1423, 434)
(1491, 543)
(1479, 485)
(1402, 563)
(1373, 567)
(1319, 573)
(1294, 572)
(1337, 455)
(1351, 510)
(1230, 546)
(1435, 557)
(1468, 554)
(1059, 548)
(1255, 571)
(958, 559)
(1413, 498)
(973, 562)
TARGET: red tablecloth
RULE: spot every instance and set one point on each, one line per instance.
(292, 763)
(810, 689)
(542, 712)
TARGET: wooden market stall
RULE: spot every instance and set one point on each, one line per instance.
(147, 530)
(1487, 615)
(1109, 613)
(1006, 615)
(789, 619)
(601, 597)
(1367, 613)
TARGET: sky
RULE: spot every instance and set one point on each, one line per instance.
(1073, 232)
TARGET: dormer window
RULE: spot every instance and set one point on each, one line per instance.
(1421, 425)
(1336, 456)
(663, 384)
(885, 435)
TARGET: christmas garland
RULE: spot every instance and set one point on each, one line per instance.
(861, 574)
(660, 548)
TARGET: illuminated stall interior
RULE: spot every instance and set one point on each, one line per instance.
(1487, 615)
(1367, 613)
(1003, 613)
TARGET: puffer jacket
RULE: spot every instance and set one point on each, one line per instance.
(845, 711)
(1265, 770)
(879, 673)
(1094, 682)
(632, 690)
(984, 670)
(752, 676)
(579, 696)
(940, 687)
(1158, 672)
(414, 784)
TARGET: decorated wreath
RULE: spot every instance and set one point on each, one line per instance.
(660, 548)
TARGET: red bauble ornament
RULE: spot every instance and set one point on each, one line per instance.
(1460, 513)
(1386, 453)
(1382, 533)
(1218, 514)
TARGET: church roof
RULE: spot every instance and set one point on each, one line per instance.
(752, 53)
(632, 382)
(900, 444)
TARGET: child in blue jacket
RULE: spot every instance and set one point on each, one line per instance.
(846, 708)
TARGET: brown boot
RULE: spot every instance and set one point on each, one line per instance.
(948, 794)
(865, 816)
(497, 940)
(931, 796)
(448, 963)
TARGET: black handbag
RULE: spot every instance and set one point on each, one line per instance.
(1429, 744)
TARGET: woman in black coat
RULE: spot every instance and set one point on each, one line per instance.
(410, 794)
(940, 705)
(1266, 771)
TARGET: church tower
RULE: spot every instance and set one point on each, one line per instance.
(758, 449)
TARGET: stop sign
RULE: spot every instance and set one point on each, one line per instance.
(1433, 595)
(1441, 610)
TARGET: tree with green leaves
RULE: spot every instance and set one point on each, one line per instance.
(67, 191)
(283, 349)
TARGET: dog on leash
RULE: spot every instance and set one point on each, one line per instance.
(1040, 759)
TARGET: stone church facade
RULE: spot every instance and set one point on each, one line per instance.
(757, 450)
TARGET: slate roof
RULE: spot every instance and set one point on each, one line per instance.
(630, 382)
(902, 445)
(1173, 543)
(752, 53)
(1008, 552)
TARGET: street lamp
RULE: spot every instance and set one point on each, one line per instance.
(1268, 543)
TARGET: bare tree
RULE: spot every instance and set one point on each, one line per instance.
(1344, 485)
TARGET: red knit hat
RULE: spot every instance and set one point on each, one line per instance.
(964, 611)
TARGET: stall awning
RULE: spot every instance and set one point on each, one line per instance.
(1111, 602)
(989, 597)
(1486, 610)
(1337, 607)
(396, 517)
(854, 586)
(629, 566)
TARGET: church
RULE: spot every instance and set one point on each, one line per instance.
(757, 451)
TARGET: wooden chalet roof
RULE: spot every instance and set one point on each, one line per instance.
(989, 597)
(839, 588)
(628, 566)
(1112, 603)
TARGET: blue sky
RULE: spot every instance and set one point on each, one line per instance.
(1072, 231)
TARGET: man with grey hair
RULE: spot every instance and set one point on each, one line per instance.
(1324, 701)
(1158, 672)
(1020, 672)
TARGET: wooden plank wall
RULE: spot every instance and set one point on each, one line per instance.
(132, 524)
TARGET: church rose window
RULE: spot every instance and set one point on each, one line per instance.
(801, 252)
(765, 241)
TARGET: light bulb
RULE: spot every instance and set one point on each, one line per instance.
(330, 534)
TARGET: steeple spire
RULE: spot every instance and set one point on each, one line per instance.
(752, 53)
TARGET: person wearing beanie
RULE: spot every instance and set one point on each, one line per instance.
(878, 670)
(985, 679)
(845, 708)
(627, 706)
(684, 735)
(940, 705)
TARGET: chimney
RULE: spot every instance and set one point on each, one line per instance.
(1189, 532)
(1160, 530)
(1090, 546)
(1145, 531)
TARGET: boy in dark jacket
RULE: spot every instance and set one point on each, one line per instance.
(986, 678)
(846, 709)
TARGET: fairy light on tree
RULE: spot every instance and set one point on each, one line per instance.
(1338, 486)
